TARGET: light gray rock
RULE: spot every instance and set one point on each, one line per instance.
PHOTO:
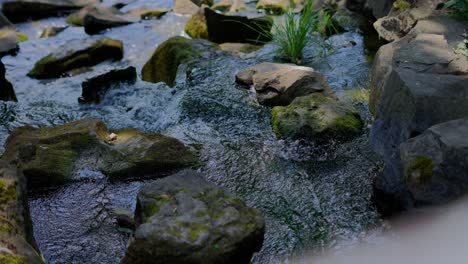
(184, 219)
(278, 84)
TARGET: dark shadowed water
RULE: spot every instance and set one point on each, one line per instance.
(312, 197)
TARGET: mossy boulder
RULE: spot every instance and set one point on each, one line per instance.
(54, 155)
(316, 117)
(76, 54)
(17, 243)
(184, 219)
(7, 93)
(196, 26)
(163, 64)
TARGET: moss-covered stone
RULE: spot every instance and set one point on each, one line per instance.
(419, 171)
(75, 54)
(316, 117)
(196, 26)
(276, 7)
(12, 259)
(52, 155)
(202, 222)
(156, 13)
(401, 5)
(22, 37)
(163, 64)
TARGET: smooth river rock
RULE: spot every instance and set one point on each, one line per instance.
(278, 84)
(54, 155)
(76, 54)
(184, 219)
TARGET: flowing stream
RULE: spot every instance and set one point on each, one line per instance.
(313, 197)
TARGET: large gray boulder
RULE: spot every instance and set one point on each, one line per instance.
(55, 155)
(278, 84)
(17, 243)
(417, 82)
(435, 163)
(7, 93)
(22, 10)
(184, 219)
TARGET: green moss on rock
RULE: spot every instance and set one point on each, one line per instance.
(196, 26)
(419, 171)
(77, 54)
(12, 259)
(401, 5)
(163, 64)
(316, 117)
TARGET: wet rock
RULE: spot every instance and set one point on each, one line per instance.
(54, 155)
(279, 84)
(435, 163)
(95, 22)
(52, 31)
(274, 6)
(185, 7)
(76, 54)
(184, 219)
(155, 13)
(196, 26)
(77, 18)
(8, 42)
(17, 243)
(417, 81)
(124, 218)
(316, 117)
(95, 88)
(349, 20)
(22, 10)
(7, 93)
(163, 64)
(242, 29)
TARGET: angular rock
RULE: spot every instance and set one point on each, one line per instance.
(54, 155)
(52, 31)
(242, 29)
(186, 7)
(77, 18)
(8, 42)
(94, 22)
(184, 219)
(278, 84)
(316, 117)
(7, 93)
(435, 163)
(163, 64)
(95, 88)
(17, 243)
(417, 81)
(76, 54)
(196, 26)
(22, 10)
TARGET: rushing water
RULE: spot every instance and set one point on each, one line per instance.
(313, 197)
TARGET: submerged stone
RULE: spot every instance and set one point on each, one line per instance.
(76, 54)
(22, 10)
(52, 31)
(7, 93)
(54, 155)
(163, 64)
(95, 88)
(242, 29)
(184, 219)
(278, 84)
(316, 117)
(16, 237)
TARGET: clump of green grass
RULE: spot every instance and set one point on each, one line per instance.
(457, 8)
(292, 36)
